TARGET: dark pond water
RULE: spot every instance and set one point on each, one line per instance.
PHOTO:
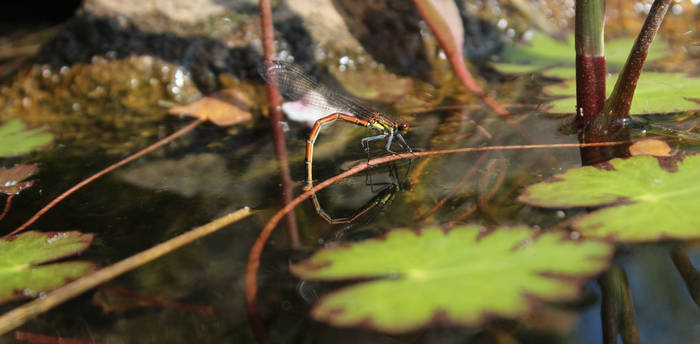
(213, 170)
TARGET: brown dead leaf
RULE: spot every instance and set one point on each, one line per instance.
(223, 108)
(650, 147)
(11, 180)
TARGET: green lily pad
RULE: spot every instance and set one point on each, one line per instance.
(652, 198)
(15, 139)
(655, 93)
(463, 276)
(557, 58)
(20, 272)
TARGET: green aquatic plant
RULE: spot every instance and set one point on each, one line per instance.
(16, 139)
(462, 276)
(643, 198)
(22, 259)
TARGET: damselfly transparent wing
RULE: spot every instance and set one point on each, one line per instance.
(297, 86)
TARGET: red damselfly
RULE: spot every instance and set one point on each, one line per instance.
(332, 105)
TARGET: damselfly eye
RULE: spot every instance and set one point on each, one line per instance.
(403, 126)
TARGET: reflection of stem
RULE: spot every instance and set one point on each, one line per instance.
(482, 198)
(8, 203)
(274, 101)
(465, 178)
(22, 314)
(415, 196)
(462, 216)
(481, 201)
(251, 278)
(617, 310)
(111, 168)
(690, 275)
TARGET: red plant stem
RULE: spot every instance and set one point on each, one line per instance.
(590, 88)
(618, 106)
(274, 101)
(590, 61)
(454, 55)
(44, 339)
(111, 168)
(8, 204)
(251, 278)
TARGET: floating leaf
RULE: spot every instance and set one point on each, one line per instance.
(650, 147)
(655, 93)
(462, 276)
(15, 139)
(226, 107)
(653, 198)
(11, 180)
(557, 58)
(20, 274)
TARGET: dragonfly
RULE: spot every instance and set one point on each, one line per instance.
(332, 105)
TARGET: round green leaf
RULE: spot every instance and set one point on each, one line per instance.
(462, 276)
(20, 274)
(557, 58)
(15, 139)
(655, 198)
(655, 93)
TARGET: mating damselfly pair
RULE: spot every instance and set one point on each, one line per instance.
(330, 105)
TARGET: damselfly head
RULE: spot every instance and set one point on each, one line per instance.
(402, 126)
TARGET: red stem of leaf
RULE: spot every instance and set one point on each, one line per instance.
(8, 204)
(590, 62)
(274, 101)
(111, 168)
(590, 88)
